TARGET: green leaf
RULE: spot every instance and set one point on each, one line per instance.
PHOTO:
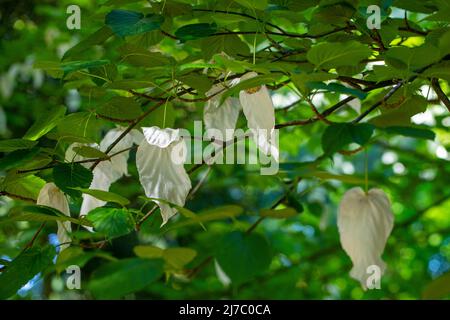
(292, 201)
(336, 87)
(89, 152)
(224, 212)
(302, 81)
(106, 196)
(18, 158)
(45, 123)
(71, 175)
(440, 70)
(201, 83)
(96, 38)
(243, 256)
(279, 214)
(116, 279)
(253, 4)
(331, 55)
(196, 31)
(129, 84)
(346, 178)
(20, 186)
(120, 109)
(41, 213)
(401, 114)
(337, 136)
(127, 23)
(438, 288)
(112, 222)
(412, 58)
(23, 268)
(16, 144)
(176, 258)
(162, 117)
(52, 68)
(412, 132)
(140, 57)
(80, 125)
(444, 44)
(76, 256)
(231, 44)
(72, 66)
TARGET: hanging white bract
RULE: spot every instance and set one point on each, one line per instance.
(365, 222)
(221, 117)
(109, 171)
(260, 113)
(51, 196)
(160, 162)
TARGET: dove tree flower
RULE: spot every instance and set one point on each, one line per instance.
(364, 222)
(220, 118)
(51, 196)
(160, 162)
(109, 171)
(260, 113)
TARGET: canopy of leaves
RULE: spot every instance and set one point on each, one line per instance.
(348, 100)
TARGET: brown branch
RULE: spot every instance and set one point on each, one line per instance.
(55, 163)
(376, 105)
(242, 15)
(11, 195)
(36, 234)
(440, 93)
(145, 217)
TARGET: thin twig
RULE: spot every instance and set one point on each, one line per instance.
(440, 93)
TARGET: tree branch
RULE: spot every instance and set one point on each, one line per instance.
(440, 93)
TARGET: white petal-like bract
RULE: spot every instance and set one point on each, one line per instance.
(364, 222)
(260, 113)
(220, 117)
(109, 171)
(161, 169)
(51, 196)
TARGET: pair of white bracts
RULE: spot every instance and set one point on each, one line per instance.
(258, 109)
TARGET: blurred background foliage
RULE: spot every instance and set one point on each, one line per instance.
(305, 258)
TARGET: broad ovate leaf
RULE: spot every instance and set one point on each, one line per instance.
(260, 113)
(160, 162)
(364, 222)
(51, 196)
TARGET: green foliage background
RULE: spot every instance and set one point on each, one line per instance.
(59, 86)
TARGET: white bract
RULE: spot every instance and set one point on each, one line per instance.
(221, 117)
(51, 196)
(364, 222)
(109, 171)
(260, 113)
(160, 162)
